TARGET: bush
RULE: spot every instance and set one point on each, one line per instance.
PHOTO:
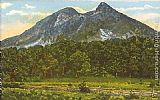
(12, 84)
(131, 96)
(158, 83)
(141, 82)
(83, 87)
(152, 84)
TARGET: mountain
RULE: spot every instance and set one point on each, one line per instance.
(100, 24)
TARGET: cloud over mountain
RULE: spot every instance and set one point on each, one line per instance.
(29, 6)
(5, 5)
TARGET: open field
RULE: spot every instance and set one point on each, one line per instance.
(68, 89)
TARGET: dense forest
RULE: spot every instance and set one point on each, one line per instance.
(133, 57)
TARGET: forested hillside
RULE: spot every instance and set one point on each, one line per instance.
(133, 57)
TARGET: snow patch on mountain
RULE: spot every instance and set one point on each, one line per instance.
(46, 42)
(129, 34)
(34, 43)
(107, 34)
(39, 42)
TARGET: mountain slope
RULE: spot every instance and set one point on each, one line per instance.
(103, 23)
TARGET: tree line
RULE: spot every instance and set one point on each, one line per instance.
(66, 58)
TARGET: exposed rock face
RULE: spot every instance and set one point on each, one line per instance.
(104, 7)
(91, 26)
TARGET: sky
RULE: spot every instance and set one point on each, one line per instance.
(20, 15)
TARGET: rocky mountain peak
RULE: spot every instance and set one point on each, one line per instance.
(68, 11)
(103, 7)
(104, 23)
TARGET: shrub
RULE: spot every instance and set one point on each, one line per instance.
(141, 82)
(131, 96)
(12, 84)
(83, 87)
(158, 83)
(152, 84)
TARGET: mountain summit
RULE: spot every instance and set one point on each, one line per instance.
(103, 7)
(101, 24)
(69, 11)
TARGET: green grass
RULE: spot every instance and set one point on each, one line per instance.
(43, 90)
(114, 83)
(96, 79)
(24, 94)
(93, 82)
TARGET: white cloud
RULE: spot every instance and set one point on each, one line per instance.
(29, 6)
(40, 14)
(5, 5)
(15, 12)
(145, 7)
(81, 10)
(22, 13)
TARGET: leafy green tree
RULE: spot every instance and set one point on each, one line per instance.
(78, 62)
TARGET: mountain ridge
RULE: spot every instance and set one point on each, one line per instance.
(100, 24)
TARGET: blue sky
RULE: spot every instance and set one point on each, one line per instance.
(20, 15)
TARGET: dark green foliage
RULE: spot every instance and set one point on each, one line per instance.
(158, 83)
(141, 82)
(152, 84)
(133, 57)
(131, 96)
(83, 87)
(12, 85)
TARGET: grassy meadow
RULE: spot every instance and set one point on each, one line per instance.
(101, 88)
